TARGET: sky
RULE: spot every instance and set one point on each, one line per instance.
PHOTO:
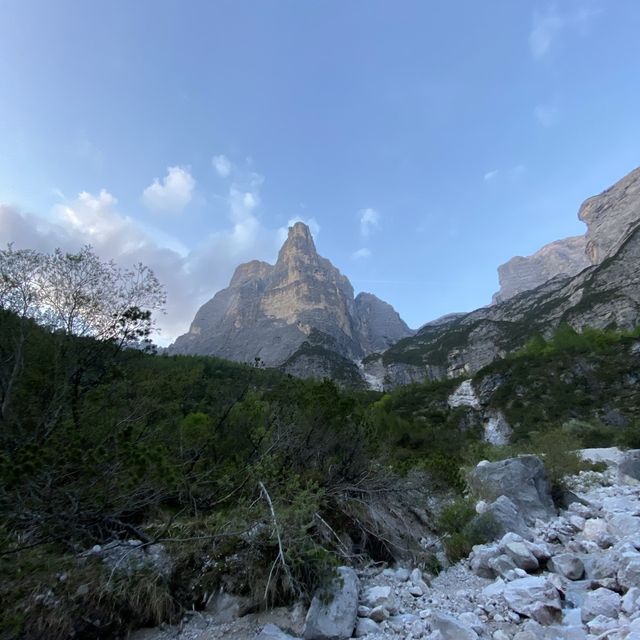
(424, 142)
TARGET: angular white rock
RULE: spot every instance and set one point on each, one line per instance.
(534, 597)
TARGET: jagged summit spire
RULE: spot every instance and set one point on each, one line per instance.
(300, 229)
(299, 242)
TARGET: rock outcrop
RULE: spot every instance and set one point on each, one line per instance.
(333, 614)
(523, 480)
(299, 314)
(561, 258)
(380, 325)
(611, 217)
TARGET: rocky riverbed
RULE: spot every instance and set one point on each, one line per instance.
(575, 576)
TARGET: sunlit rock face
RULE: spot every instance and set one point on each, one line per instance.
(566, 257)
(611, 217)
(303, 302)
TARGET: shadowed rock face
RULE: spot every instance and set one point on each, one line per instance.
(271, 311)
(380, 325)
(561, 258)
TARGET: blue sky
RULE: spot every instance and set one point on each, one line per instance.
(426, 142)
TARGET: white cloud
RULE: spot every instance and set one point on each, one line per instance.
(546, 115)
(171, 194)
(511, 173)
(222, 165)
(244, 197)
(361, 253)
(369, 221)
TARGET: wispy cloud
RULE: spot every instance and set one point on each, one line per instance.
(547, 25)
(369, 221)
(222, 165)
(510, 173)
(361, 254)
(172, 193)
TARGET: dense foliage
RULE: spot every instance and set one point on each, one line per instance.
(220, 462)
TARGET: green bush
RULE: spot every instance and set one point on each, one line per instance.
(629, 437)
(591, 434)
(463, 529)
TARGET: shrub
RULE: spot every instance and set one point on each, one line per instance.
(463, 528)
(629, 438)
(591, 434)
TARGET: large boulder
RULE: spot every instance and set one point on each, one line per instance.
(450, 627)
(568, 565)
(601, 602)
(333, 611)
(625, 463)
(482, 560)
(630, 465)
(629, 571)
(226, 607)
(507, 518)
(534, 597)
(380, 596)
(523, 480)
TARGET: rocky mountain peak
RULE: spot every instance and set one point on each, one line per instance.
(299, 245)
(299, 314)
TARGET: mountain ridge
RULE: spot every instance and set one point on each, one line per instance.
(605, 294)
(301, 316)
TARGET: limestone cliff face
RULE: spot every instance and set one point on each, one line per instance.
(611, 216)
(299, 314)
(561, 258)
